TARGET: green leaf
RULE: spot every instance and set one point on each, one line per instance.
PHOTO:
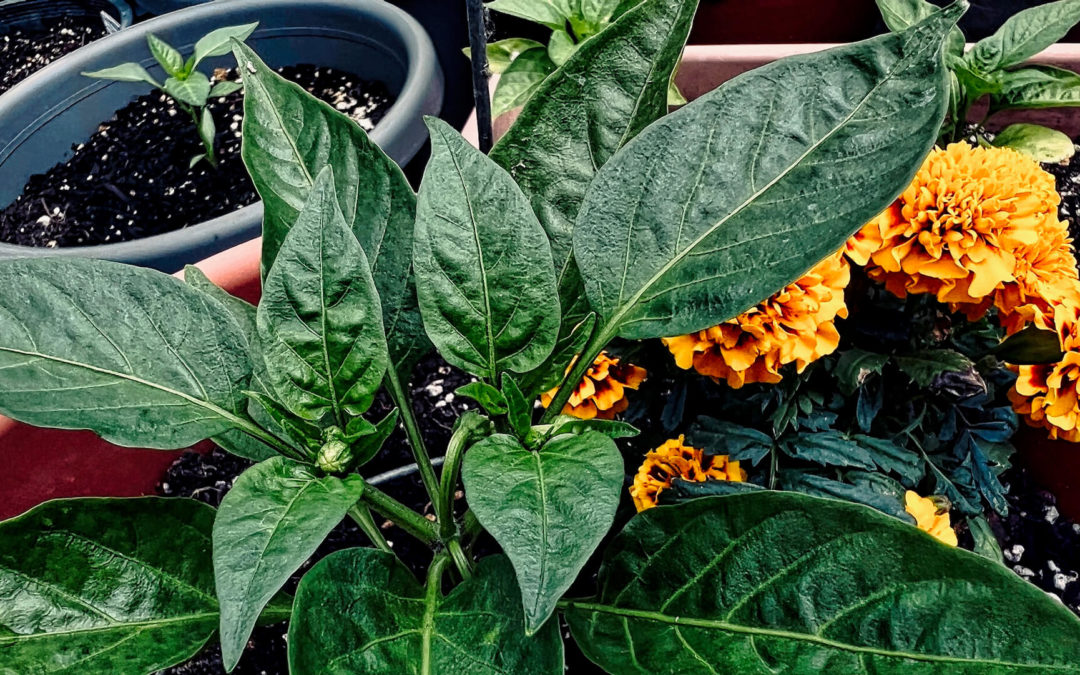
(319, 320)
(170, 59)
(565, 424)
(125, 72)
(986, 544)
(763, 581)
(169, 374)
(922, 367)
(220, 42)
(682, 490)
(224, 88)
(1037, 87)
(613, 86)
(900, 15)
(548, 510)
(194, 161)
(362, 611)
(242, 311)
(1030, 346)
(891, 457)
(561, 47)
(106, 586)
(270, 522)
(1024, 35)
(502, 52)
(367, 446)
(207, 131)
(289, 138)
(489, 398)
(719, 437)
(854, 367)
(1040, 143)
(301, 433)
(828, 448)
(870, 489)
(519, 409)
(730, 198)
(546, 12)
(520, 80)
(484, 276)
(193, 91)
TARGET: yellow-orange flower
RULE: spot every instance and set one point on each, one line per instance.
(1046, 395)
(930, 517)
(674, 460)
(1046, 280)
(797, 325)
(602, 392)
(959, 228)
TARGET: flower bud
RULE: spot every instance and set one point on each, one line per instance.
(334, 456)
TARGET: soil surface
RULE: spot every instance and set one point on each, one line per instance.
(1067, 178)
(24, 52)
(132, 178)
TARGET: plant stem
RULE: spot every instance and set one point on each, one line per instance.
(404, 517)
(362, 516)
(416, 439)
(570, 382)
(478, 53)
(460, 558)
(467, 425)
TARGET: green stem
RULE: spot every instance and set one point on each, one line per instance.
(774, 462)
(252, 429)
(460, 558)
(402, 516)
(466, 427)
(470, 525)
(431, 597)
(569, 383)
(416, 440)
(362, 516)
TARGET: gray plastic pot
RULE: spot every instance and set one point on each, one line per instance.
(38, 13)
(42, 117)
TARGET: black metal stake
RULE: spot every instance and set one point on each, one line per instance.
(478, 49)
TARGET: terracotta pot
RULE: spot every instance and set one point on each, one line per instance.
(777, 21)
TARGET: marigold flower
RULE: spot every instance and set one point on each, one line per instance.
(674, 460)
(602, 392)
(1047, 395)
(930, 517)
(957, 230)
(796, 325)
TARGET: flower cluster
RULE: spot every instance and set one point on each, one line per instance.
(930, 517)
(796, 325)
(602, 392)
(674, 460)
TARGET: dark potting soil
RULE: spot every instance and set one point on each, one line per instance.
(1067, 179)
(23, 52)
(132, 178)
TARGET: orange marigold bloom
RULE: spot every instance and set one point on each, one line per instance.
(1046, 396)
(602, 392)
(674, 460)
(797, 325)
(930, 517)
(957, 230)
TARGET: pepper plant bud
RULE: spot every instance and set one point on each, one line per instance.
(334, 456)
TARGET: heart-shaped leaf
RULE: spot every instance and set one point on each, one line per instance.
(756, 582)
(289, 138)
(134, 355)
(727, 200)
(271, 521)
(484, 275)
(319, 320)
(548, 510)
(105, 586)
(362, 611)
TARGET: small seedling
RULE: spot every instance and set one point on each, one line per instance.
(187, 86)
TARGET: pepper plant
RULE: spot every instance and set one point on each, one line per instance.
(995, 75)
(187, 86)
(656, 225)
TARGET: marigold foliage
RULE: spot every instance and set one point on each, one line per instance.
(930, 517)
(796, 325)
(602, 392)
(674, 459)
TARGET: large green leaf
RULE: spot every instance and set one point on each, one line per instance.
(132, 354)
(1042, 144)
(362, 611)
(1024, 35)
(271, 521)
(320, 328)
(613, 86)
(730, 198)
(105, 586)
(520, 80)
(484, 275)
(548, 510)
(778, 582)
(289, 138)
(1037, 87)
